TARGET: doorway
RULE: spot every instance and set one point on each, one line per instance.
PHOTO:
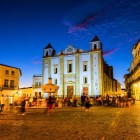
(85, 90)
(69, 91)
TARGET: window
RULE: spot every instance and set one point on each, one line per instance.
(7, 72)
(69, 66)
(12, 73)
(5, 83)
(84, 66)
(12, 83)
(95, 46)
(85, 80)
(55, 69)
(55, 81)
(39, 94)
(46, 53)
(36, 84)
(40, 83)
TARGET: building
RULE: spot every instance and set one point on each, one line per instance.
(132, 79)
(37, 82)
(9, 80)
(78, 71)
(9, 77)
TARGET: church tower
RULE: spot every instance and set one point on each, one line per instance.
(96, 44)
(96, 65)
(48, 51)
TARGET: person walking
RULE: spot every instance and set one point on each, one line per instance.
(50, 104)
(2, 100)
(74, 101)
(87, 103)
(83, 97)
(23, 102)
(6, 105)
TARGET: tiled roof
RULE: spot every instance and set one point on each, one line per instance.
(95, 38)
(48, 46)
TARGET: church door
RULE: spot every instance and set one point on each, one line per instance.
(85, 90)
(69, 91)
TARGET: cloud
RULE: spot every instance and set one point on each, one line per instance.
(82, 25)
(107, 53)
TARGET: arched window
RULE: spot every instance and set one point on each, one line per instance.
(95, 46)
(47, 53)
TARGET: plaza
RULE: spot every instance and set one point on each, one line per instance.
(69, 123)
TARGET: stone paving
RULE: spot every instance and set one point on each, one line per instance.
(101, 123)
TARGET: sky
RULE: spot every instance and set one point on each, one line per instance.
(27, 26)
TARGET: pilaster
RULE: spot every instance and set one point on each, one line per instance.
(100, 66)
(92, 73)
(77, 75)
(62, 75)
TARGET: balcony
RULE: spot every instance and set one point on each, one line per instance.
(7, 87)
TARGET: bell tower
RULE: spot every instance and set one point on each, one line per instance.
(95, 44)
(48, 51)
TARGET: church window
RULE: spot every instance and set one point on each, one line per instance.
(46, 53)
(55, 69)
(95, 46)
(85, 80)
(69, 66)
(55, 81)
(84, 66)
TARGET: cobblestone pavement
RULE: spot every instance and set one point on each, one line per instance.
(101, 123)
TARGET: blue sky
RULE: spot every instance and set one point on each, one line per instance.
(27, 26)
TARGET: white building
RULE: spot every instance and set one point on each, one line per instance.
(74, 70)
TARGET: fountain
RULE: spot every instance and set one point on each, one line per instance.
(49, 87)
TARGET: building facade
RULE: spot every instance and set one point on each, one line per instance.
(9, 80)
(78, 71)
(9, 77)
(132, 79)
(37, 82)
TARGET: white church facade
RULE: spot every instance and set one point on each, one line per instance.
(77, 71)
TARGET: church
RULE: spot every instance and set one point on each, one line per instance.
(78, 71)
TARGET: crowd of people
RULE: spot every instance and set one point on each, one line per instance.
(51, 102)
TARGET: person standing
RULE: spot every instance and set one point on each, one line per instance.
(2, 102)
(50, 104)
(23, 102)
(87, 103)
(107, 100)
(7, 105)
(83, 97)
(75, 102)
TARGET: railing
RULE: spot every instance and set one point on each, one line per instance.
(6, 87)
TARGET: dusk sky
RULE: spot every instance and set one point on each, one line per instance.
(27, 26)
